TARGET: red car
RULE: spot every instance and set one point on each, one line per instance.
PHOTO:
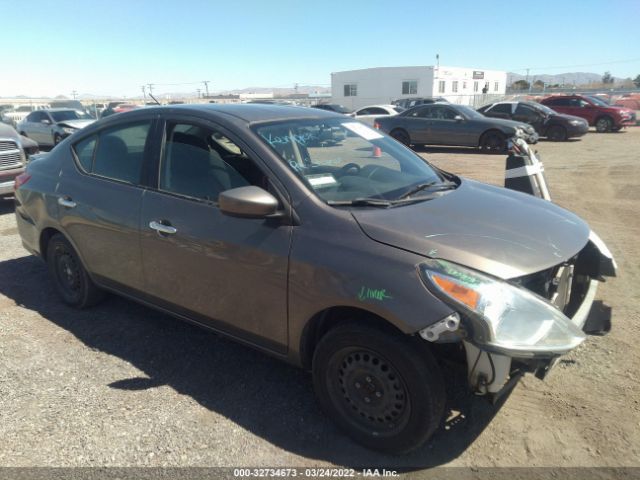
(599, 114)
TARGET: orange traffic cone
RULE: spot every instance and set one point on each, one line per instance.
(377, 152)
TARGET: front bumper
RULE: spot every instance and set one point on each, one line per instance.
(577, 130)
(7, 180)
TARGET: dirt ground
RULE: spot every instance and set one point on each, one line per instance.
(123, 385)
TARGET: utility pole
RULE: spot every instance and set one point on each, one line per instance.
(198, 90)
(150, 85)
(528, 80)
(144, 93)
(206, 86)
(295, 88)
(74, 94)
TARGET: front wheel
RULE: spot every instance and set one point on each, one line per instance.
(383, 388)
(493, 142)
(557, 133)
(604, 124)
(69, 275)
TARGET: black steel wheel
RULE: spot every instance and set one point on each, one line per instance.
(557, 133)
(401, 136)
(493, 142)
(69, 275)
(383, 388)
(604, 124)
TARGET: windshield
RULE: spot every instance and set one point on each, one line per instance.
(469, 112)
(342, 160)
(65, 115)
(599, 102)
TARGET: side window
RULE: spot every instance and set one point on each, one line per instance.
(504, 108)
(364, 111)
(200, 162)
(120, 152)
(424, 112)
(525, 111)
(378, 111)
(84, 151)
(442, 113)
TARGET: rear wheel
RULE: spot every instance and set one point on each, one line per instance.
(557, 133)
(401, 136)
(604, 124)
(69, 276)
(493, 141)
(382, 388)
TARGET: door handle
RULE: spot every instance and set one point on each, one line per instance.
(66, 202)
(161, 228)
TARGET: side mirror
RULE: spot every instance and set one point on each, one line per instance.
(458, 118)
(248, 202)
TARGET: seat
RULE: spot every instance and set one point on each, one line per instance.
(188, 171)
(113, 160)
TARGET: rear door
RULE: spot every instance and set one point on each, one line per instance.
(226, 272)
(99, 197)
(526, 114)
(500, 110)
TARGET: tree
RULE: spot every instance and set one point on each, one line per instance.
(607, 78)
(636, 81)
(524, 85)
(538, 84)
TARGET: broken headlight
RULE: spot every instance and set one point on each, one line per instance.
(505, 318)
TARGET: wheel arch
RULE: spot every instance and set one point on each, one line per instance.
(323, 321)
(491, 130)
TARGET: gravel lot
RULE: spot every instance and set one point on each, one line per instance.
(122, 385)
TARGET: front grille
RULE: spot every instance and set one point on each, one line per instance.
(7, 145)
(9, 154)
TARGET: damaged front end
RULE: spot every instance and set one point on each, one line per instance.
(511, 327)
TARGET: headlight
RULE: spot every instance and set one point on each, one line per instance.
(576, 122)
(504, 317)
(69, 130)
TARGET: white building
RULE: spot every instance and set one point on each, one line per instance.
(382, 85)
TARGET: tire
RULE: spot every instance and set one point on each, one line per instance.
(493, 141)
(616, 129)
(557, 133)
(383, 389)
(56, 139)
(69, 276)
(401, 136)
(604, 124)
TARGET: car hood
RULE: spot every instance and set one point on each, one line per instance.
(565, 117)
(491, 229)
(7, 131)
(76, 123)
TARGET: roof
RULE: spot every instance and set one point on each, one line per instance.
(255, 112)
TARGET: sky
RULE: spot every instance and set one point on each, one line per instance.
(112, 47)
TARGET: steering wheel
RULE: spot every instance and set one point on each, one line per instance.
(348, 167)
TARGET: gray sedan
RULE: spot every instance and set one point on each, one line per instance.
(354, 259)
(50, 127)
(455, 125)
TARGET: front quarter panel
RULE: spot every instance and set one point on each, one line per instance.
(334, 264)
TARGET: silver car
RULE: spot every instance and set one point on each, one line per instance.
(50, 127)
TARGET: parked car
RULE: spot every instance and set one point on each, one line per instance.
(16, 115)
(50, 127)
(117, 107)
(599, 114)
(448, 124)
(370, 113)
(547, 122)
(14, 152)
(416, 101)
(333, 107)
(365, 269)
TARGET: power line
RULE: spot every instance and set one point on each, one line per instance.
(575, 66)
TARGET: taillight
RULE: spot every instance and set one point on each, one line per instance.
(21, 180)
(376, 125)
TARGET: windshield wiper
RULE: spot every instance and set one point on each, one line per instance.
(432, 186)
(358, 202)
